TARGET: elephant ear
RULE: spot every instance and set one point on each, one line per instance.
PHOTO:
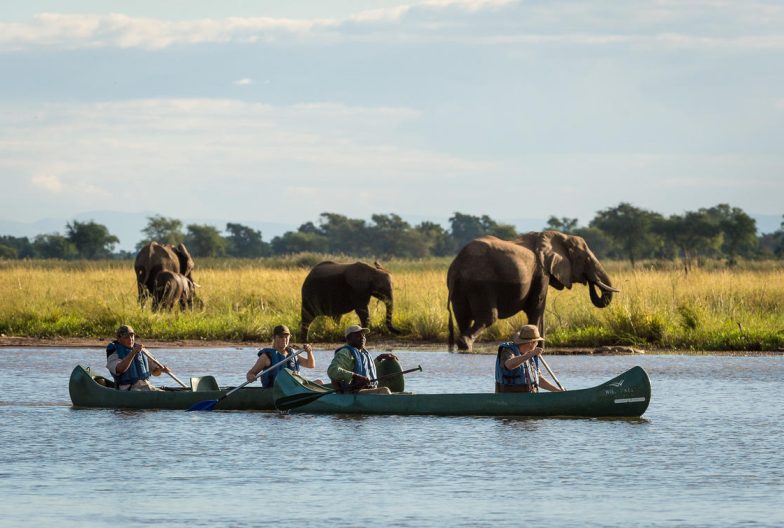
(359, 277)
(186, 261)
(556, 258)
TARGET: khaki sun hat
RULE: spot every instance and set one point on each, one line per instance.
(527, 334)
(281, 330)
(125, 330)
(354, 329)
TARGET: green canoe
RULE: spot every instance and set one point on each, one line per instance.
(89, 389)
(627, 395)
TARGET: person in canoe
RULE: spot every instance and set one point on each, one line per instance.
(128, 364)
(517, 364)
(351, 369)
(278, 352)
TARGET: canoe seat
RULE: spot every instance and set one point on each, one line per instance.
(204, 383)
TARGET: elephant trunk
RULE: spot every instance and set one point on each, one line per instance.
(600, 279)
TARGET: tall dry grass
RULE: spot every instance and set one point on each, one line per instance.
(719, 309)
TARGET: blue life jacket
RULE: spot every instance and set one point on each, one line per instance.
(268, 378)
(362, 365)
(138, 370)
(525, 374)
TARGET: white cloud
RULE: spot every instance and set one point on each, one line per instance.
(243, 82)
(48, 182)
(749, 25)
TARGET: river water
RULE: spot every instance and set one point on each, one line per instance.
(706, 453)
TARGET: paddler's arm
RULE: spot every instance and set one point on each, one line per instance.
(125, 363)
(342, 366)
(543, 383)
(310, 362)
(155, 367)
(261, 363)
(516, 361)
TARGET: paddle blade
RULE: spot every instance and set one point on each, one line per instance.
(298, 400)
(206, 405)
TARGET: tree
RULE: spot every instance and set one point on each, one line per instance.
(391, 236)
(246, 242)
(163, 230)
(16, 247)
(693, 233)
(779, 238)
(299, 242)
(54, 246)
(467, 227)
(92, 240)
(436, 238)
(344, 235)
(630, 227)
(563, 224)
(738, 229)
(205, 241)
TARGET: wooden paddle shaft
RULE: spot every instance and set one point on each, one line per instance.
(552, 374)
(175, 378)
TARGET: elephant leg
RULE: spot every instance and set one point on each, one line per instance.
(364, 315)
(484, 308)
(463, 319)
(306, 317)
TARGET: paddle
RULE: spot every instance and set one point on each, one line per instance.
(552, 374)
(208, 405)
(297, 400)
(175, 378)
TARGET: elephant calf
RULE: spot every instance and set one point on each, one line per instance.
(170, 288)
(334, 289)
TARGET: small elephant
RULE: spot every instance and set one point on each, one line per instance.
(494, 279)
(334, 289)
(154, 258)
(171, 288)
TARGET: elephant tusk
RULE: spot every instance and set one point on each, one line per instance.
(195, 285)
(602, 286)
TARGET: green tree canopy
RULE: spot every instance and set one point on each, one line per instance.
(467, 227)
(630, 228)
(163, 230)
(563, 224)
(92, 240)
(246, 242)
(739, 230)
(205, 241)
(54, 246)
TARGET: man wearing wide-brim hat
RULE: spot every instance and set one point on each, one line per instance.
(351, 369)
(517, 364)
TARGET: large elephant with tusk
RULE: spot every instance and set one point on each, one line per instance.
(493, 279)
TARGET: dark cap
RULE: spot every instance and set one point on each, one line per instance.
(281, 330)
(125, 330)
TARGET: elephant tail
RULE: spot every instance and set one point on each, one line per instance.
(451, 325)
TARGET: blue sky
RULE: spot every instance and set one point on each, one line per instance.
(277, 111)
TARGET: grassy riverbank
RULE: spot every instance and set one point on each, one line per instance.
(720, 309)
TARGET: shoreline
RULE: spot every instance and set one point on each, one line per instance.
(480, 348)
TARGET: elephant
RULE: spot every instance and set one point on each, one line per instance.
(171, 288)
(334, 289)
(492, 279)
(154, 258)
